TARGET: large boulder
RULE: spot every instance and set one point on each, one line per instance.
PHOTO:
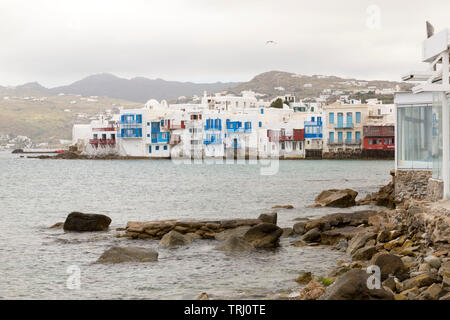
(264, 235)
(174, 239)
(390, 265)
(237, 232)
(336, 198)
(339, 220)
(268, 217)
(128, 254)
(77, 221)
(353, 286)
(234, 244)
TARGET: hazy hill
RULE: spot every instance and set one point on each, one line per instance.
(272, 83)
(138, 89)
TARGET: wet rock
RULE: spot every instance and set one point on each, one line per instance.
(128, 254)
(299, 227)
(312, 291)
(334, 236)
(287, 232)
(283, 207)
(174, 239)
(359, 241)
(341, 245)
(336, 198)
(390, 265)
(77, 221)
(353, 286)
(268, 217)
(299, 243)
(304, 278)
(203, 296)
(340, 220)
(234, 244)
(193, 235)
(312, 235)
(238, 232)
(264, 235)
(57, 225)
(364, 253)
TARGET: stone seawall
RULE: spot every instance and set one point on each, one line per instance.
(203, 229)
(361, 155)
(411, 184)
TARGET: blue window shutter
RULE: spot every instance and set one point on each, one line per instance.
(358, 117)
(331, 116)
(260, 124)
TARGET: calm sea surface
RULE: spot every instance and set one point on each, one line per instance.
(35, 194)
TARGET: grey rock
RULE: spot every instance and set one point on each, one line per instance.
(128, 254)
(174, 239)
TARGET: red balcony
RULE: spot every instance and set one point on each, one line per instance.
(102, 142)
(276, 136)
(169, 125)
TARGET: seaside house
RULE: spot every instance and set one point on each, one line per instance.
(423, 126)
(313, 135)
(344, 127)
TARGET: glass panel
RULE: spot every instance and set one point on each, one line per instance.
(414, 131)
(437, 136)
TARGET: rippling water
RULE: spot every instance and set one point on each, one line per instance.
(35, 194)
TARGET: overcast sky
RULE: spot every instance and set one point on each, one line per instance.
(56, 42)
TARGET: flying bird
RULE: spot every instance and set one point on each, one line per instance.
(270, 42)
(430, 30)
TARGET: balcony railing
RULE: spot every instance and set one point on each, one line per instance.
(213, 127)
(346, 142)
(344, 126)
(102, 141)
(212, 141)
(239, 130)
(171, 126)
(130, 122)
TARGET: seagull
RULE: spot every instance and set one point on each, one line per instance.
(430, 30)
(270, 42)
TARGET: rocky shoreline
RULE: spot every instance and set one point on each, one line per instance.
(408, 243)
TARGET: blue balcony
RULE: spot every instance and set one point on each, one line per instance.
(213, 124)
(131, 119)
(160, 137)
(212, 141)
(130, 133)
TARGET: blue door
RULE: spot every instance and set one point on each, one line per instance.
(349, 137)
(357, 136)
(150, 149)
(340, 137)
(340, 120)
(349, 120)
(331, 138)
